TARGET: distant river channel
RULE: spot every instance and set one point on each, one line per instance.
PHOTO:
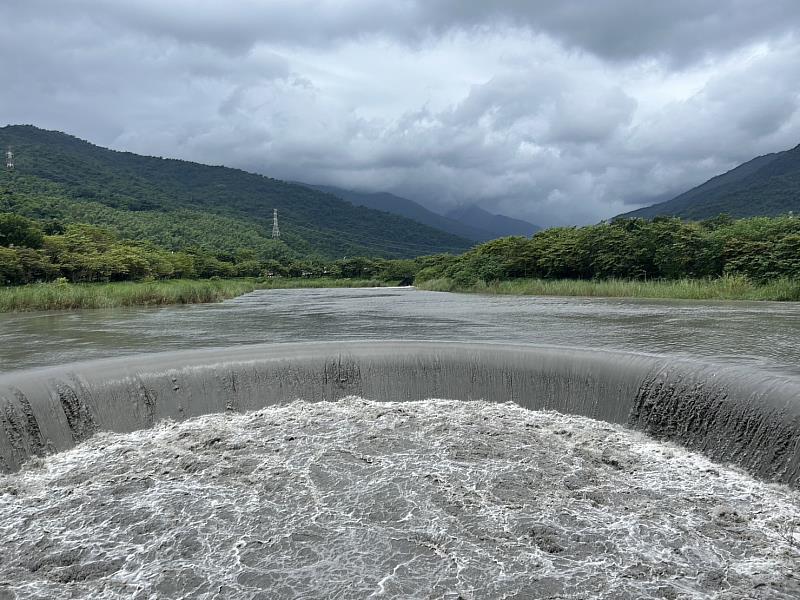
(761, 334)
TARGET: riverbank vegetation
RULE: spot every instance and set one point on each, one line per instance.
(755, 258)
(63, 295)
(34, 252)
(729, 287)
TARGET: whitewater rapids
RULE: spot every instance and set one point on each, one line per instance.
(360, 499)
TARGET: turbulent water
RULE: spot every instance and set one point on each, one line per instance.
(358, 499)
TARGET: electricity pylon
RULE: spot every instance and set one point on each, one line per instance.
(276, 233)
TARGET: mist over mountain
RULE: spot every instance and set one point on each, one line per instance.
(464, 223)
(560, 113)
(767, 185)
(497, 225)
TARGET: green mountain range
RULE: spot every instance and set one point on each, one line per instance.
(178, 204)
(768, 185)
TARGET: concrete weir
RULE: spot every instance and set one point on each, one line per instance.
(734, 415)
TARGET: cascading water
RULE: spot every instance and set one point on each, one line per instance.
(732, 414)
(218, 484)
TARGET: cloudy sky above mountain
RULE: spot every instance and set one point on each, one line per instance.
(557, 112)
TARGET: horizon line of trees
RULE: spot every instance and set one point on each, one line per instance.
(33, 251)
(759, 248)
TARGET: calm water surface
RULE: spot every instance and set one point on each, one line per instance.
(764, 334)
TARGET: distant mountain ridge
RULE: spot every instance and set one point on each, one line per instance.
(498, 225)
(177, 203)
(471, 222)
(767, 185)
(398, 205)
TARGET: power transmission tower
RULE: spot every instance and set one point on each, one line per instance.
(9, 160)
(276, 233)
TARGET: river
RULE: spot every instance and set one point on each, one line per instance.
(760, 334)
(222, 482)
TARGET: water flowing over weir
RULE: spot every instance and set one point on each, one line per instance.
(731, 414)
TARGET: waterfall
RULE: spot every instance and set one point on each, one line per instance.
(731, 414)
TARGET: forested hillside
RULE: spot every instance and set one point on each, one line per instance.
(42, 251)
(768, 185)
(178, 204)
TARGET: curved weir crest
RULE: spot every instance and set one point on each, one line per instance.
(731, 414)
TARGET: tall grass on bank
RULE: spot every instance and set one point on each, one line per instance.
(723, 288)
(62, 296)
(66, 296)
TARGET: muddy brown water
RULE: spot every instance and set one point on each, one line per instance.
(761, 334)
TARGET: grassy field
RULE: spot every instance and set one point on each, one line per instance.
(65, 296)
(724, 288)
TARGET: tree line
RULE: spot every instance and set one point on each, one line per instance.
(40, 251)
(760, 248)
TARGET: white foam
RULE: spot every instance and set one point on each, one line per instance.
(360, 499)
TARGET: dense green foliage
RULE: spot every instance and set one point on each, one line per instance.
(81, 253)
(765, 186)
(16, 230)
(177, 204)
(760, 249)
(63, 295)
(86, 253)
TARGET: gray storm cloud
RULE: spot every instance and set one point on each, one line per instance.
(560, 113)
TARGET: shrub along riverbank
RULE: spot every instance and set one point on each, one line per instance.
(65, 296)
(722, 288)
(720, 258)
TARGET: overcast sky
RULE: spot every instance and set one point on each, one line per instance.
(561, 112)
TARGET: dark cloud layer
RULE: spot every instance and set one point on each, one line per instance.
(620, 29)
(625, 29)
(559, 112)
